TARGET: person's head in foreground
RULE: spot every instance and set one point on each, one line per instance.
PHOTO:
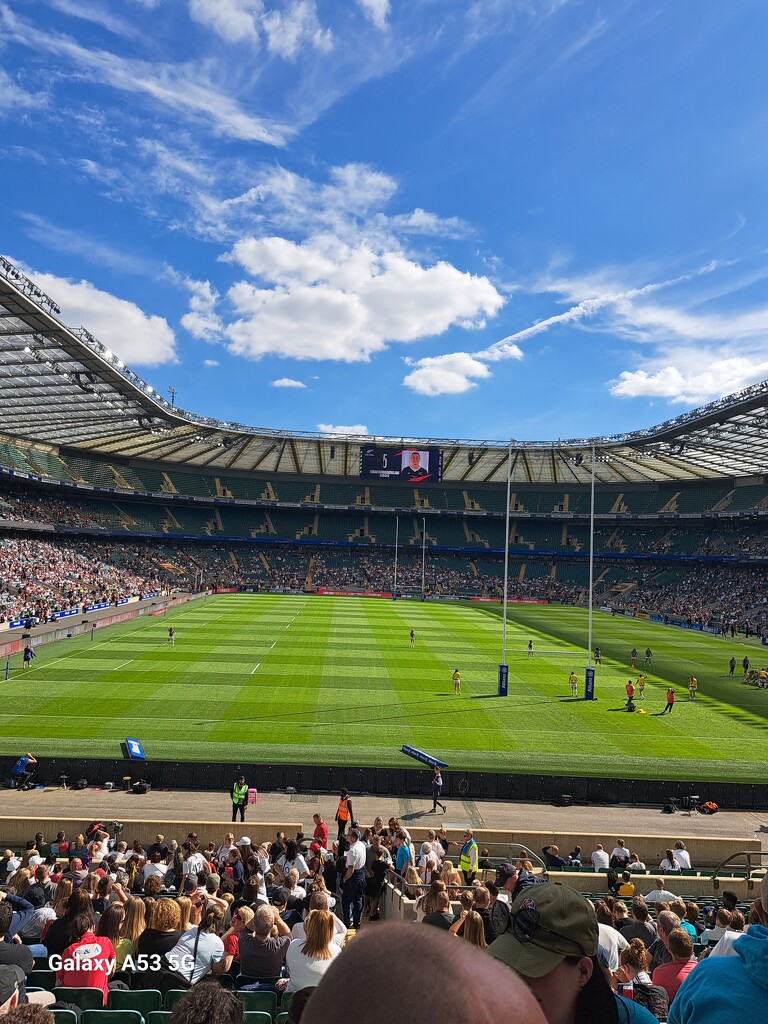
(208, 1003)
(551, 942)
(438, 978)
(11, 980)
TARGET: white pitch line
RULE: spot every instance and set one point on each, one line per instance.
(115, 669)
(273, 644)
(254, 669)
(74, 654)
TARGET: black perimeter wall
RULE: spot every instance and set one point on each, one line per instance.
(405, 781)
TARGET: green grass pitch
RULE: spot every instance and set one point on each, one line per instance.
(322, 680)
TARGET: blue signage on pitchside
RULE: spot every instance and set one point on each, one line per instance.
(589, 684)
(503, 680)
(419, 755)
(135, 750)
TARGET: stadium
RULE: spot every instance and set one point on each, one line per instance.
(275, 556)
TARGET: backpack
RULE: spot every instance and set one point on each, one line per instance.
(708, 808)
(612, 879)
(653, 998)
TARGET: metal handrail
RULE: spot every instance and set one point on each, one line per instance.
(749, 857)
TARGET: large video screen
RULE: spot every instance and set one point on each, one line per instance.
(411, 465)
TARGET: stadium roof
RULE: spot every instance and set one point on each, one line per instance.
(60, 387)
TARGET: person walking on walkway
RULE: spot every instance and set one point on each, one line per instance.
(437, 789)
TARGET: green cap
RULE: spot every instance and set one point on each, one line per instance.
(565, 925)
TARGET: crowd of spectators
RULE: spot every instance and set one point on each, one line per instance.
(338, 572)
(21, 505)
(282, 916)
(39, 578)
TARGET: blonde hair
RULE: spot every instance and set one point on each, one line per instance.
(19, 882)
(185, 906)
(473, 931)
(318, 928)
(91, 883)
(166, 915)
(63, 892)
(413, 883)
(135, 919)
(466, 900)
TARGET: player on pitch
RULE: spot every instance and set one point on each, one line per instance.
(412, 636)
(573, 679)
(456, 681)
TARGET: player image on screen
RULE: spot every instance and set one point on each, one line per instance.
(415, 465)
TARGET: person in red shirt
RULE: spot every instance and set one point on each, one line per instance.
(87, 963)
(670, 701)
(321, 831)
(241, 918)
(630, 705)
(671, 976)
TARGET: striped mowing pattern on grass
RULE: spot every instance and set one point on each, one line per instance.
(273, 678)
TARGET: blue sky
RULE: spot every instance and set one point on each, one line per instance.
(488, 218)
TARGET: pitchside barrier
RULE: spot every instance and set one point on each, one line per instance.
(471, 785)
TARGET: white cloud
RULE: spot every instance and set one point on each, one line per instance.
(421, 222)
(202, 320)
(186, 89)
(355, 430)
(234, 21)
(95, 14)
(287, 382)
(699, 377)
(297, 26)
(14, 99)
(330, 301)
(376, 11)
(450, 374)
(138, 338)
(210, 362)
(622, 311)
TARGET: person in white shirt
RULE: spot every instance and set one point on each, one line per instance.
(309, 958)
(427, 863)
(620, 854)
(599, 858)
(659, 893)
(681, 856)
(290, 860)
(209, 956)
(319, 901)
(353, 885)
(669, 865)
(635, 864)
(711, 936)
(193, 863)
(611, 941)
(155, 868)
(222, 854)
(292, 885)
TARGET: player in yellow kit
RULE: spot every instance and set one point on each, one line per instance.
(456, 681)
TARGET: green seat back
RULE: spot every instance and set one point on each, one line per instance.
(111, 1017)
(172, 996)
(85, 998)
(266, 1002)
(64, 1016)
(143, 1000)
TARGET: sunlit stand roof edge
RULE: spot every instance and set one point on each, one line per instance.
(94, 402)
